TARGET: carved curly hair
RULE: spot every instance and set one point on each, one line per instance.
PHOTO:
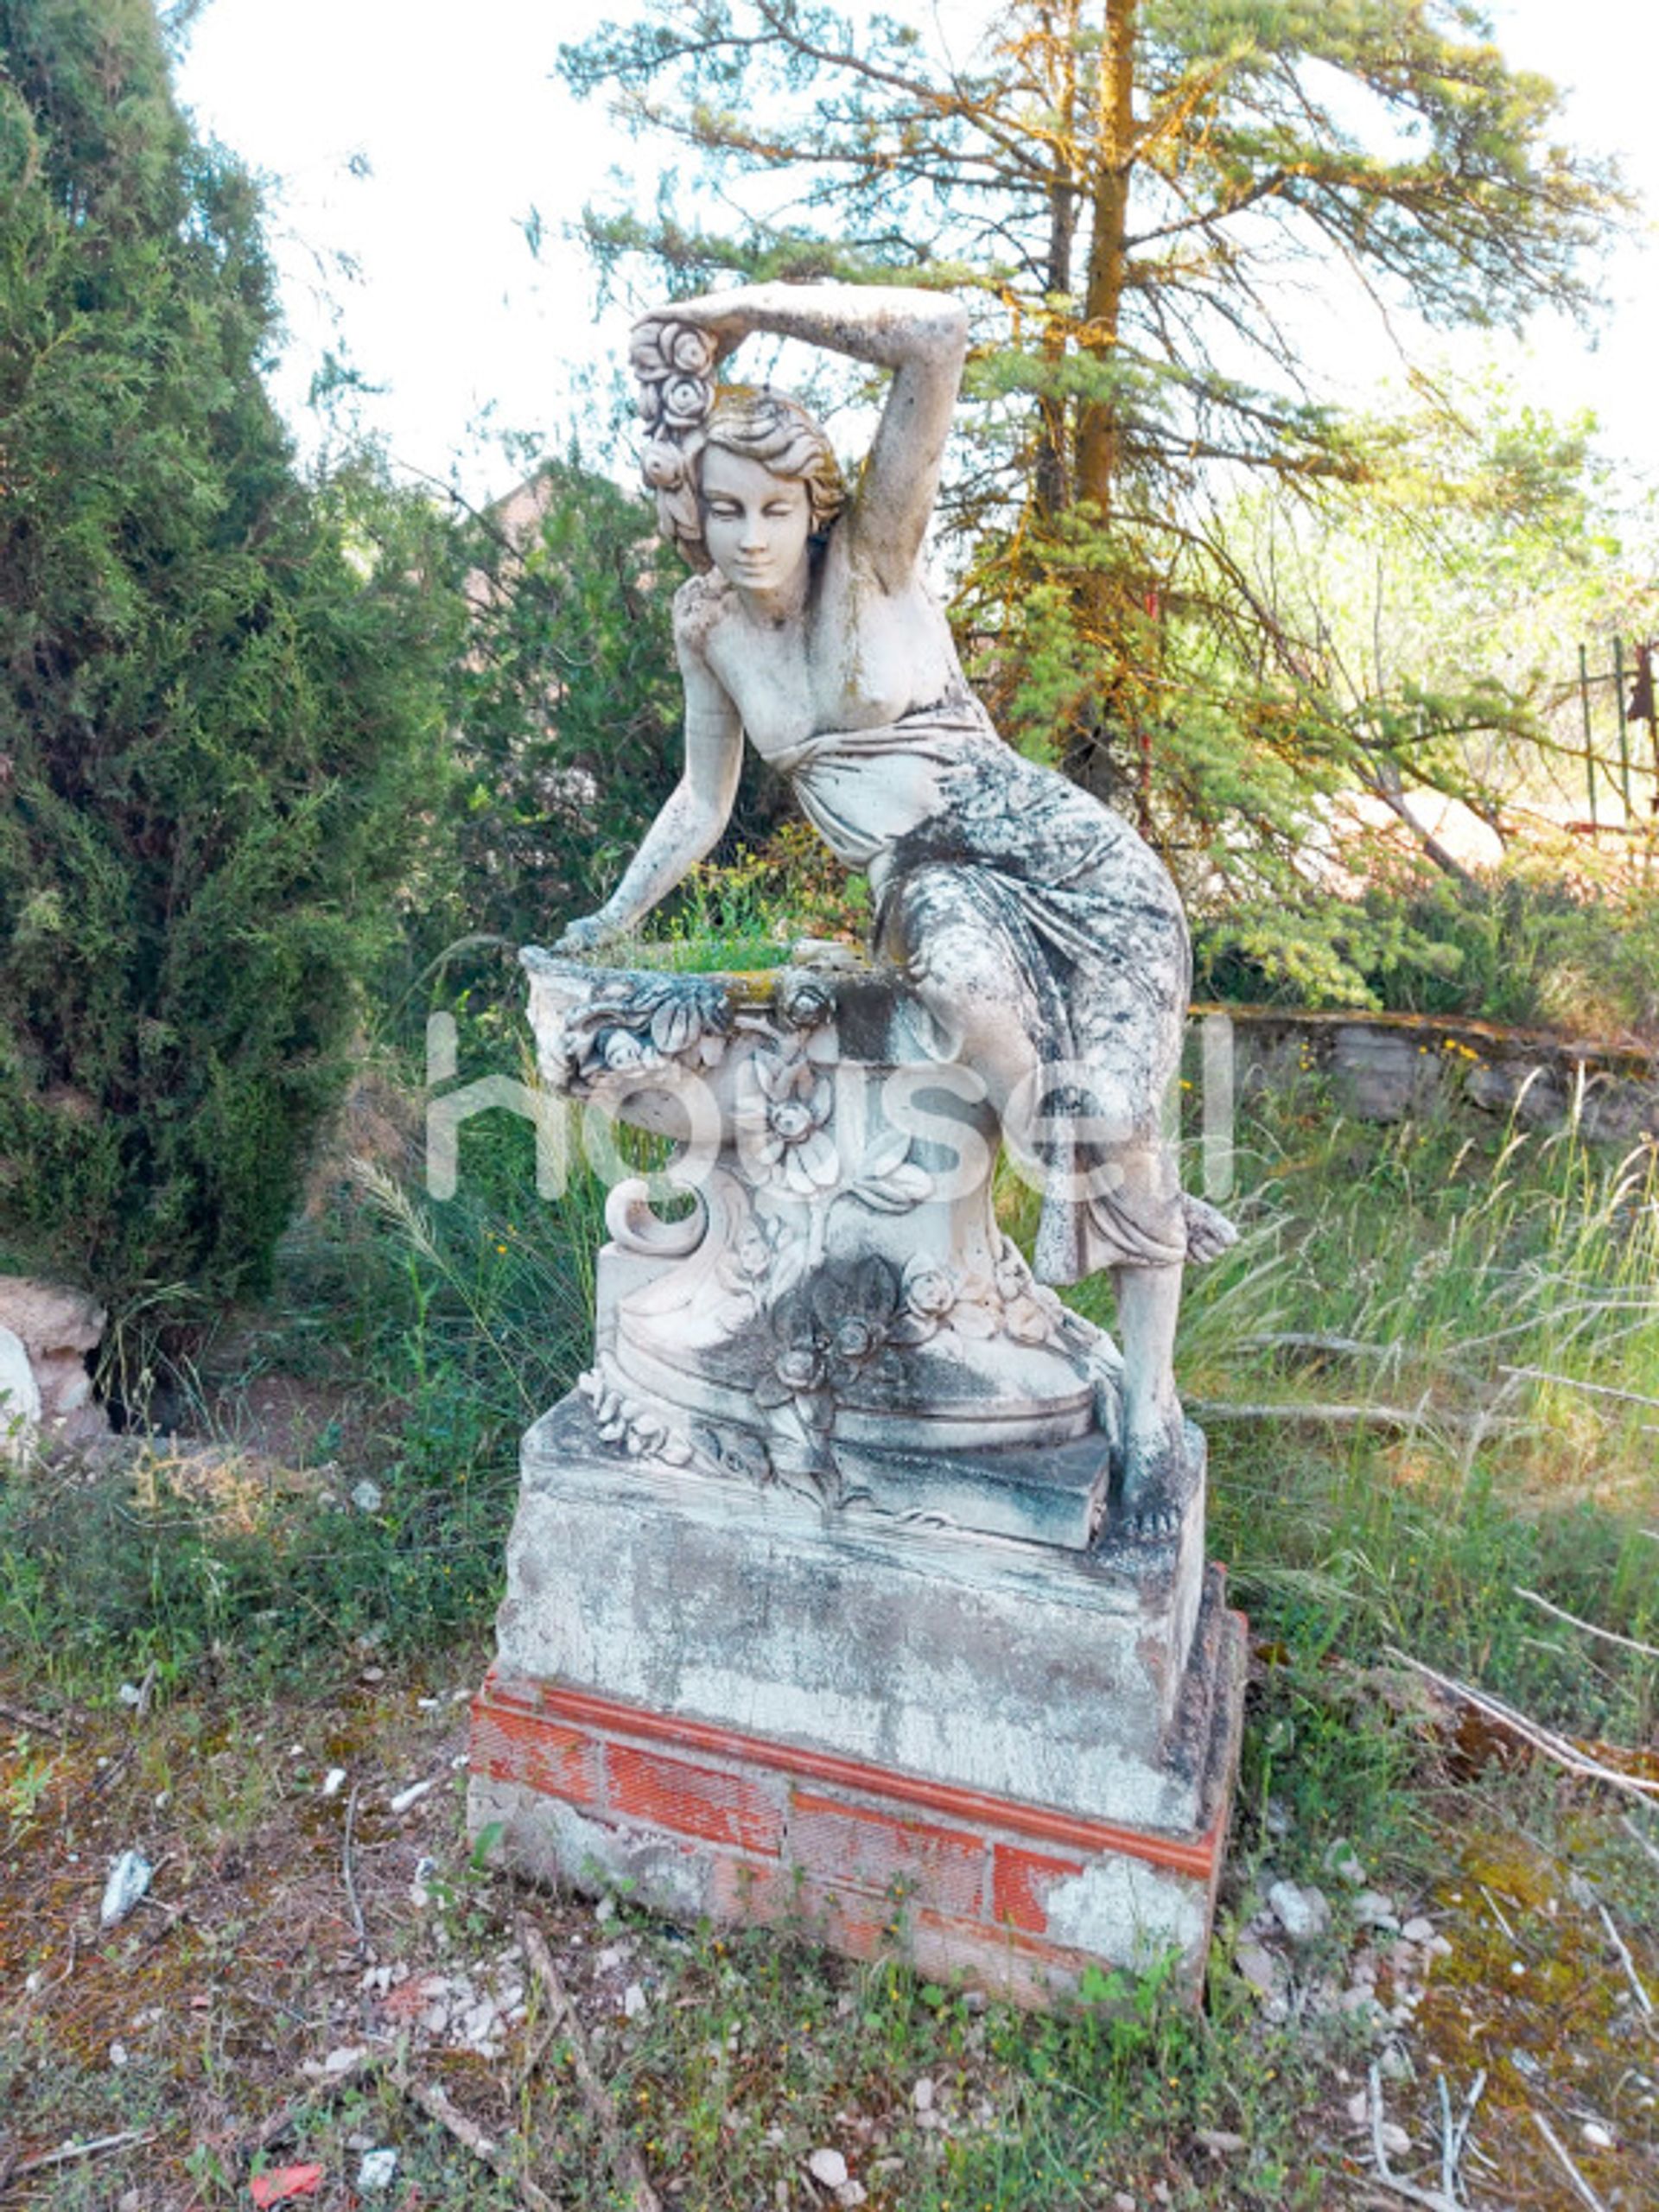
(776, 430)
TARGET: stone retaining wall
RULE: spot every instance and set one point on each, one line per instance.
(1389, 1067)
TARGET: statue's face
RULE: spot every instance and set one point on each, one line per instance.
(756, 525)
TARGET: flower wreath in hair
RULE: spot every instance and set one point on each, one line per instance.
(675, 363)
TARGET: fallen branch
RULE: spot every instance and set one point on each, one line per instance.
(1466, 2120)
(597, 2097)
(1326, 1416)
(1574, 1382)
(1606, 1635)
(1637, 1838)
(117, 1767)
(1624, 1958)
(1543, 1739)
(1560, 2150)
(1498, 1914)
(346, 1869)
(437, 2105)
(1311, 1340)
(20, 1717)
(1403, 1420)
(1448, 2142)
(69, 2153)
(1431, 2198)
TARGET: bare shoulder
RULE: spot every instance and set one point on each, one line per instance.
(701, 605)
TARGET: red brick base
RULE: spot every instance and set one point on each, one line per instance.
(1018, 1899)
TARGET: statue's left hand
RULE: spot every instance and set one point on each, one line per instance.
(725, 319)
(586, 934)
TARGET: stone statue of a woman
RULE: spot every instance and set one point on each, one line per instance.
(1043, 936)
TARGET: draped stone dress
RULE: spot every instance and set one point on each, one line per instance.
(995, 878)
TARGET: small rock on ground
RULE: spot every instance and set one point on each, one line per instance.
(1257, 1966)
(1302, 1913)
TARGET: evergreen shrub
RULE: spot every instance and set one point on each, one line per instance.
(221, 695)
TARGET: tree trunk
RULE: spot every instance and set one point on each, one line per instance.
(1101, 614)
(1051, 473)
(1098, 420)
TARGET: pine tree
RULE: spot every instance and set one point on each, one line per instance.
(1133, 189)
(220, 705)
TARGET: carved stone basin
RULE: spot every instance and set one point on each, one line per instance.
(839, 1311)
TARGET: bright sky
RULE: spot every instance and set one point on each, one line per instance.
(454, 115)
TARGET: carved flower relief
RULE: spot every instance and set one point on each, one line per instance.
(782, 1116)
(637, 1429)
(1031, 1313)
(675, 366)
(824, 1333)
(929, 1295)
(662, 466)
(686, 400)
(642, 1432)
(765, 1259)
(935, 1295)
(805, 1001)
(659, 345)
(643, 1023)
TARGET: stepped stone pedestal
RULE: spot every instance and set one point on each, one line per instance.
(819, 1610)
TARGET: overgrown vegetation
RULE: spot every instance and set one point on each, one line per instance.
(220, 695)
(1355, 1548)
(460, 1320)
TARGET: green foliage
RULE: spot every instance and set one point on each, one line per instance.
(1531, 947)
(1431, 616)
(220, 712)
(457, 1323)
(568, 703)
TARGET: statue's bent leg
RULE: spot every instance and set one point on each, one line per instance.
(971, 980)
(1154, 1453)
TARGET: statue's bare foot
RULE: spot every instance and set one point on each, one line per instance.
(1154, 1493)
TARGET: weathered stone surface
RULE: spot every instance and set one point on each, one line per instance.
(1303, 1913)
(50, 1317)
(1038, 1672)
(20, 1399)
(58, 1328)
(840, 1313)
(1393, 1065)
(1380, 1074)
(1016, 1898)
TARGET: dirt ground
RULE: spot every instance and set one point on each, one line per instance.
(316, 1973)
